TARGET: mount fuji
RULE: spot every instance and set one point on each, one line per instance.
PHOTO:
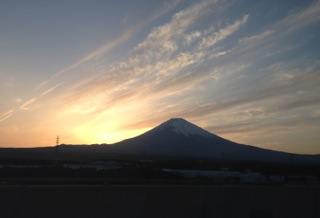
(180, 138)
(175, 138)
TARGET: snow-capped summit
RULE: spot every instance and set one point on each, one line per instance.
(183, 127)
(180, 138)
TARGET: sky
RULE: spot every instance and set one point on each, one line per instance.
(102, 71)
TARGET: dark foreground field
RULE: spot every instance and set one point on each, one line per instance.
(197, 201)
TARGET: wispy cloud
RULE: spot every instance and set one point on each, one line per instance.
(302, 18)
(110, 45)
(161, 62)
(222, 33)
(6, 115)
(273, 39)
(160, 58)
(257, 38)
(26, 105)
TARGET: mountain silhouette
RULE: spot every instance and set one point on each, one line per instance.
(180, 138)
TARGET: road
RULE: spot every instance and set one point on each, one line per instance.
(154, 201)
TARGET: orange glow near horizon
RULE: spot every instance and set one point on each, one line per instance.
(107, 126)
(108, 138)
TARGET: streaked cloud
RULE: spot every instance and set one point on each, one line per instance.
(107, 47)
(256, 38)
(6, 115)
(222, 33)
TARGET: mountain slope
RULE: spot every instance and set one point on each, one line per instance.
(180, 138)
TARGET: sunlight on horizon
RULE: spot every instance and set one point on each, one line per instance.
(97, 137)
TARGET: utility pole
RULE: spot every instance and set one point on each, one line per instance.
(57, 140)
(57, 152)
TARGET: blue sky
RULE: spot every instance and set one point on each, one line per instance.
(102, 71)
